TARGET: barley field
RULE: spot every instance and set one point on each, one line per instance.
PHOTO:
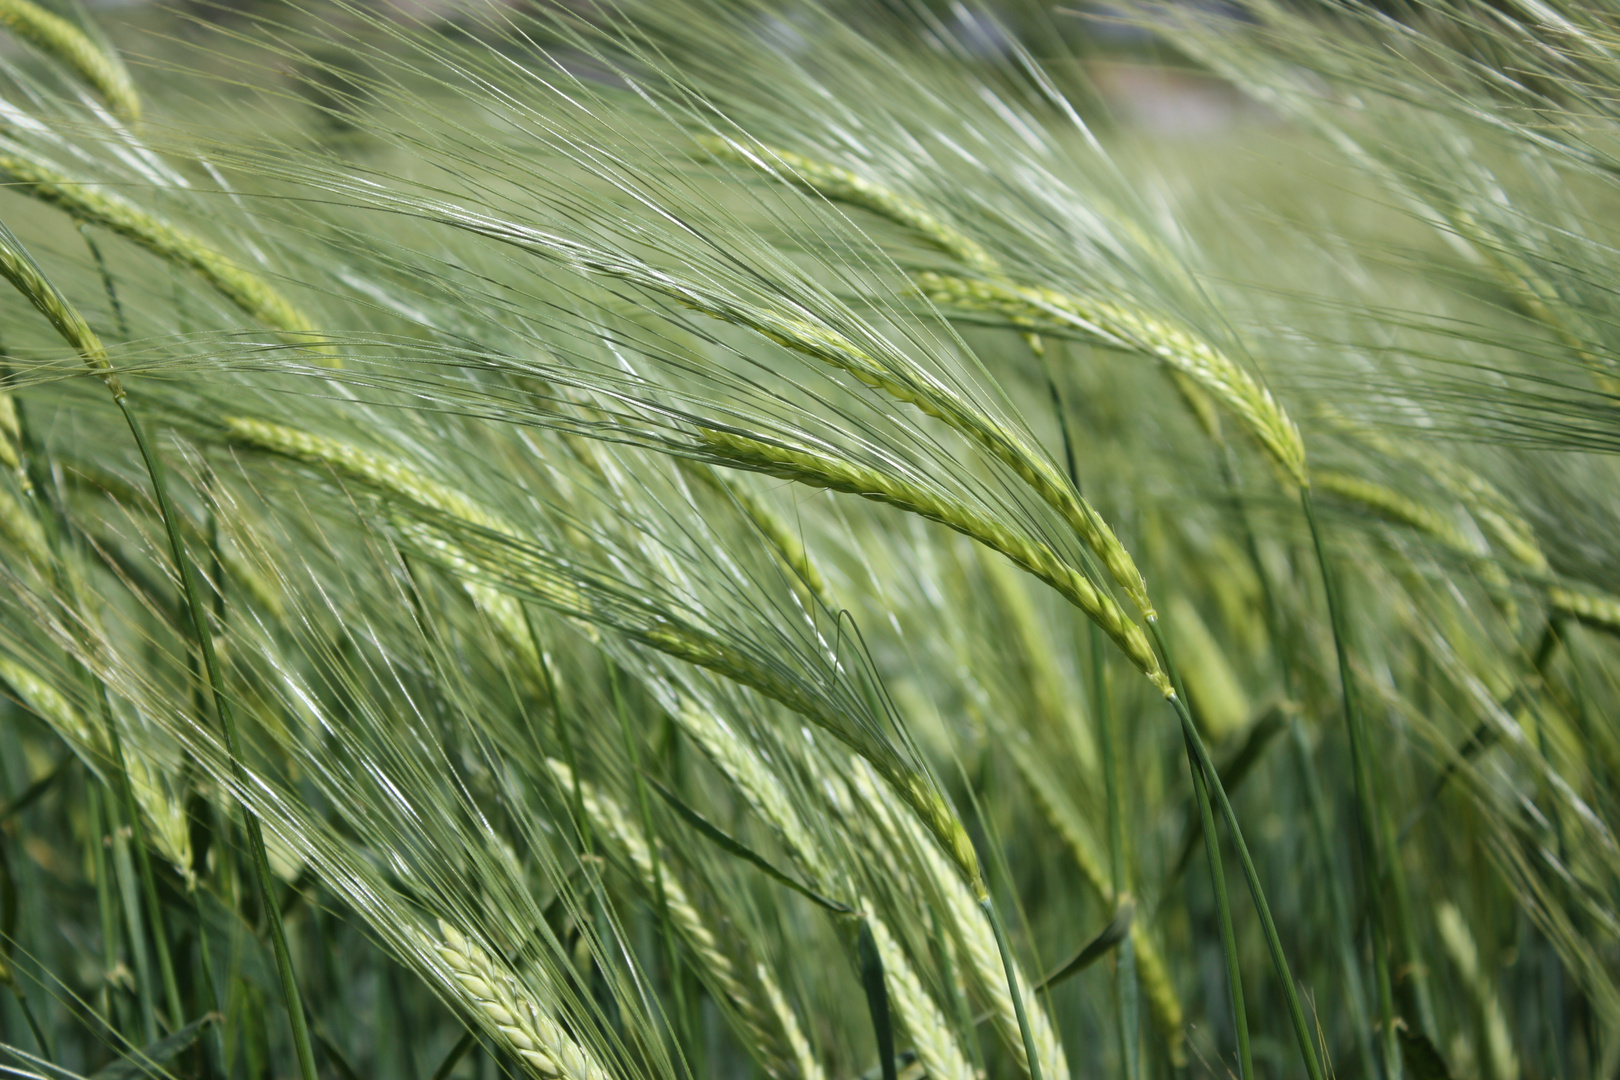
(798, 540)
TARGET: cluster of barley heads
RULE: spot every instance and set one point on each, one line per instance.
(727, 539)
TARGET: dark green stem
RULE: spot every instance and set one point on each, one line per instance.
(143, 864)
(1296, 1009)
(125, 873)
(1223, 908)
(1212, 852)
(1013, 988)
(1125, 989)
(1360, 765)
(227, 722)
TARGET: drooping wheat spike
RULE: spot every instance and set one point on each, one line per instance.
(926, 394)
(762, 790)
(169, 829)
(789, 551)
(842, 185)
(1503, 1063)
(1588, 607)
(60, 39)
(972, 931)
(1390, 504)
(508, 1009)
(919, 1015)
(11, 436)
(838, 474)
(934, 399)
(809, 1065)
(936, 1046)
(19, 268)
(1154, 976)
(87, 202)
(1393, 506)
(372, 468)
(22, 528)
(399, 479)
(1119, 326)
(1535, 296)
(1502, 521)
(762, 1031)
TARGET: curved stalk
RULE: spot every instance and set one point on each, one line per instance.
(1279, 961)
(1012, 987)
(227, 722)
(1360, 767)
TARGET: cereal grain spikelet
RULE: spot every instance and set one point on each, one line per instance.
(1124, 327)
(843, 185)
(89, 203)
(511, 1011)
(837, 474)
(763, 1030)
(59, 38)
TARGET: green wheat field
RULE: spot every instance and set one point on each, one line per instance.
(782, 540)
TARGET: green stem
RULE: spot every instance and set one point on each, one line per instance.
(1317, 803)
(1125, 989)
(1296, 1009)
(1344, 930)
(124, 872)
(99, 834)
(143, 863)
(1223, 907)
(1362, 776)
(666, 927)
(256, 850)
(1013, 988)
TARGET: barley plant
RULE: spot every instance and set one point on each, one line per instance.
(719, 539)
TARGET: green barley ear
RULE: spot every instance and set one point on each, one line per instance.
(842, 185)
(60, 39)
(839, 474)
(784, 544)
(90, 203)
(1391, 505)
(1502, 521)
(1592, 608)
(1118, 326)
(507, 1008)
(767, 1034)
(19, 268)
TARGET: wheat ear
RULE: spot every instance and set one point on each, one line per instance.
(760, 1030)
(170, 829)
(19, 268)
(930, 1034)
(972, 930)
(839, 474)
(1151, 970)
(789, 551)
(87, 202)
(1390, 504)
(919, 1014)
(399, 479)
(59, 38)
(1496, 513)
(1459, 943)
(1588, 607)
(842, 185)
(508, 1009)
(809, 1065)
(1119, 326)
